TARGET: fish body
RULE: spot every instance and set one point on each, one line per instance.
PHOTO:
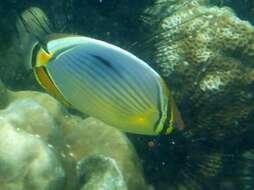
(97, 78)
(106, 82)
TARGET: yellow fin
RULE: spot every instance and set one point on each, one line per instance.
(42, 58)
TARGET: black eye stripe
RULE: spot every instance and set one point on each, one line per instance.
(35, 51)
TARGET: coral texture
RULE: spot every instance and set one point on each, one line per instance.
(205, 54)
(43, 147)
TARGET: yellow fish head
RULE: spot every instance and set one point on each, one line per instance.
(42, 58)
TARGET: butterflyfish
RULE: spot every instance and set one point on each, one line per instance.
(105, 82)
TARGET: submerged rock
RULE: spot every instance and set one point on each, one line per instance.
(29, 116)
(205, 54)
(26, 161)
(43, 147)
(101, 173)
(92, 137)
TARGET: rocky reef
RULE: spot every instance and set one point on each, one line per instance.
(205, 54)
(44, 148)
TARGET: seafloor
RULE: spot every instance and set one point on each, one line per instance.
(205, 52)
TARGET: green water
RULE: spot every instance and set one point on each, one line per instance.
(214, 92)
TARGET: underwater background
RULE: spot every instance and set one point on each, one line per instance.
(203, 49)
